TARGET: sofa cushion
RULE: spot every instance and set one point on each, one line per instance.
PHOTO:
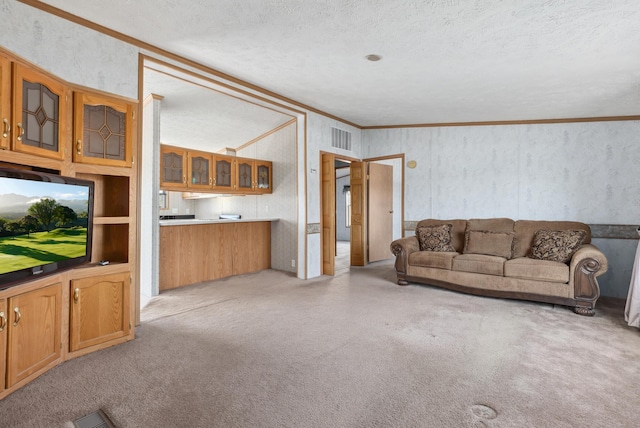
(488, 242)
(479, 263)
(457, 232)
(432, 259)
(556, 245)
(493, 224)
(526, 229)
(541, 270)
(435, 238)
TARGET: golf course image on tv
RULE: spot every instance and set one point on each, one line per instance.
(43, 222)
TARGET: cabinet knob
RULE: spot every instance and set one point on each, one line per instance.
(18, 316)
(7, 128)
(3, 321)
(79, 147)
(76, 295)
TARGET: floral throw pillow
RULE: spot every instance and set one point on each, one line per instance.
(556, 245)
(435, 238)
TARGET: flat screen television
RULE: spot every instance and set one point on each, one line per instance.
(46, 224)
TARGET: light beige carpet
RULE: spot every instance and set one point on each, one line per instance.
(269, 350)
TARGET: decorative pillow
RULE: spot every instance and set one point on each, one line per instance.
(435, 238)
(488, 242)
(556, 245)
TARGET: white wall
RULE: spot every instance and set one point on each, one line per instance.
(586, 172)
(72, 52)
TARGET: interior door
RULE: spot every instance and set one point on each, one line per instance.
(328, 207)
(358, 213)
(380, 211)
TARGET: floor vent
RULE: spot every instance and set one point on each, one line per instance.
(340, 139)
(94, 420)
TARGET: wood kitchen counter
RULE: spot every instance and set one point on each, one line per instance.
(193, 251)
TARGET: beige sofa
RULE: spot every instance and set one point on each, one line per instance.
(501, 257)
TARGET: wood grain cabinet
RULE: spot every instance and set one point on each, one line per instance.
(33, 332)
(39, 117)
(200, 170)
(173, 167)
(102, 130)
(5, 103)
(3, 342)
(225, 173)
(99, 310)
(254, 176)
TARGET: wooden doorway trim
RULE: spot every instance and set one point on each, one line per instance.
(328, 211)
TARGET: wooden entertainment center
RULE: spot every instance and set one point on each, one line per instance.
(49, 320)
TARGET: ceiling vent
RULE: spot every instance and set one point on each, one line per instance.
(340, 139)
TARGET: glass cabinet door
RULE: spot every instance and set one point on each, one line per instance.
(245, 174)
(39, 109)
(200, 170)
(102, 130)
(263, 176)
(173, 167)
(225, 169)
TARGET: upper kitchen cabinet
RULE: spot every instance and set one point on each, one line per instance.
(39, 113)
(254, 176)
(103, 130)
(5, 103)
(200, 170)
(173, 167)
(225, 173)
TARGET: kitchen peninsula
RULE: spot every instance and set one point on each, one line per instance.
(195, 250)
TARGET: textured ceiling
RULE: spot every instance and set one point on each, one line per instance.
(443, 60)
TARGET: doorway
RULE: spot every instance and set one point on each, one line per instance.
(352, 217)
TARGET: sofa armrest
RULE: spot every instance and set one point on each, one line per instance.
(401, 248)
(586, 264)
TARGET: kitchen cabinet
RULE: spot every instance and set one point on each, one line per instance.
(5, 103)
(33, 332)
(99, 310)
(254, 176)
(225, 174)
(3, 341)
(39, 117)
(173, 168)
(200, 170)
(102, 130)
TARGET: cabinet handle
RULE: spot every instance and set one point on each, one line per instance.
(214, 181)
(79, 147)
(7, 128)
(3, 321)
(18, 316)
(210, 180)
(184, 179)
(76, 295)
(21, 131)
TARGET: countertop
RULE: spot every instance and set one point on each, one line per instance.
(211, 221)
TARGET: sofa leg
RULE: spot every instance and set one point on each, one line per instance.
(583, 310)
(402, 282)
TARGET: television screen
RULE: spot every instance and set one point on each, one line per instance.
(45, 224)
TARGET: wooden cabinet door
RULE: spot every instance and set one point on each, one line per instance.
(200, 170)
(225, 173)
(103, 130)
(34, 332)
(39, 113)
(264, 179)
(5, 103)
(173, 167)
(3, 341)
(99, 310)
(245, 169)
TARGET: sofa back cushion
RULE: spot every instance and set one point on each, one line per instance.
(457, 230)
(489, 242)
(526, 229)
(491, 224)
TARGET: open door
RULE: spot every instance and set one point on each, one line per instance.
(380, 205)
(328, 207)
(358, 213)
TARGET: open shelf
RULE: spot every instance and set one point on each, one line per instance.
(111, 195)
(110, 242)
